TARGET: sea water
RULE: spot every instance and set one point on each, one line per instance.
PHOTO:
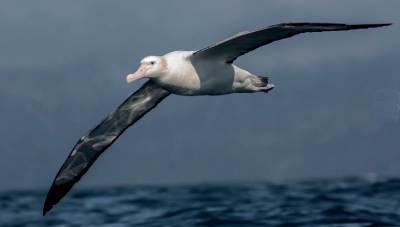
(350, 202)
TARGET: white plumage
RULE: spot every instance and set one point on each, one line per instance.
(182, 73)
(205, 72)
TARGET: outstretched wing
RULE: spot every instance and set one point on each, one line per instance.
(244, 42)
(99, 138)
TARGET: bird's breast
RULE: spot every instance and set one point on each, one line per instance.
(181, 79)
(185, 77)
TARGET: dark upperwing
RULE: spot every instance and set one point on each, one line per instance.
(230, 49)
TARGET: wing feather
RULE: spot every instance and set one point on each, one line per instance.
(230, 49)
(99, 138)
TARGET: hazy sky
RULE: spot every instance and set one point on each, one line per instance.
(63, 67)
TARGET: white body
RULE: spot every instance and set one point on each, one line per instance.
(182, 74)
(189, 76)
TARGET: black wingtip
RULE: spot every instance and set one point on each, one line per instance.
(46, 208)
(48, 203)
(56, 193)
(378, 25)
(350, 26)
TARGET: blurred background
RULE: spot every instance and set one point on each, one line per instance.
(333, 112)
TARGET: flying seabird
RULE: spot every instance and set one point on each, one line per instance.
(208, 71)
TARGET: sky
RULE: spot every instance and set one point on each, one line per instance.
(332, 114)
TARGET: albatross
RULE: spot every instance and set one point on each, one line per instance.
(208, 71)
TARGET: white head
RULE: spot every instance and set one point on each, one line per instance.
(150, 67)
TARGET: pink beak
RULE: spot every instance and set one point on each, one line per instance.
(137, 75)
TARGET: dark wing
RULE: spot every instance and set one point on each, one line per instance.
(97, 140)
(244, 42)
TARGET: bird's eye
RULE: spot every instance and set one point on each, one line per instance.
(152, 62)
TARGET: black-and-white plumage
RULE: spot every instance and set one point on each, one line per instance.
(205, 72)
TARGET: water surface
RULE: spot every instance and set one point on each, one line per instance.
(350, 202)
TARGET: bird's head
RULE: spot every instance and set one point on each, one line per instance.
(150, 67)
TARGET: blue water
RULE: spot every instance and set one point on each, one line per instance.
(350, 202)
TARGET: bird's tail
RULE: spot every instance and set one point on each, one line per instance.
(265, 85)
(263, 81)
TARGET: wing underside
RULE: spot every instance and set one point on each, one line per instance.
(99, 138)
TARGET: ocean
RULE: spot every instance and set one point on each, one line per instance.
(350, 202)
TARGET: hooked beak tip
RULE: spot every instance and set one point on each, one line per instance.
(128, 80)
(132, 77)
(140, 73)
